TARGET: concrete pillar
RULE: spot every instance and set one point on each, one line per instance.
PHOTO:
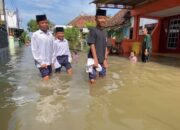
(136, 27)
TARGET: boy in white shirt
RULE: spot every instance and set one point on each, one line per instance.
(61, 52)
(42, 46)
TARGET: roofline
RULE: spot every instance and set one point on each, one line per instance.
(116, 6)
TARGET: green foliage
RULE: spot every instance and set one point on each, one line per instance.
(72, 35)
(51, 24)
(110, 33)
(86, 49)
(90, 25)
(24, 37)
(32, 25)
(117, 33)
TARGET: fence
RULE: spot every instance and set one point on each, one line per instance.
(3, 36)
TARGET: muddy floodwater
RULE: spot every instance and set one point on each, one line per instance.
(131, 96)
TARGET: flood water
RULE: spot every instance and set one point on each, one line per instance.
(131, 96)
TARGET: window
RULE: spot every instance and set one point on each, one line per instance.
(173, 34)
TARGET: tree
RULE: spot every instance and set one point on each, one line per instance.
(89, 25)
(72, 35)
(24, 37)
(117, 33)
(32, 25)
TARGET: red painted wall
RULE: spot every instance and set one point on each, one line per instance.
(154, 6)
(164, 36)
(159, 37)
(136, 27)
(156, 37)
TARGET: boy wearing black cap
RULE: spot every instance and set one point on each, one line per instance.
(42, 46)
(97, 40)
(61, 52)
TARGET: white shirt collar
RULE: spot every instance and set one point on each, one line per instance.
(64, 40)
(41, 32)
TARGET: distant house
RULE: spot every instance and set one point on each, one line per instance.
(119, 19)
(13, 22)
(124, 21)
(120, 22)
(81, 22)
(13, 26)
(166, 34)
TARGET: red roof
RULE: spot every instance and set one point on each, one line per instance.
(81, 20)
(118, 19)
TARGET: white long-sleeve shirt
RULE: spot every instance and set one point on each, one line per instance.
(42, 47)
(61, 47)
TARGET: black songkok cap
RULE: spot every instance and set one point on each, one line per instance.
(59, 29)
(40, 17)
(100, 12)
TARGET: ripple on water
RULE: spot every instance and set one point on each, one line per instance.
(24, 95)
(111, 87)
(115, 75)
(23, 100)
(49, 109)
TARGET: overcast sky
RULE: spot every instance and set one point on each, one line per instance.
(58, 11)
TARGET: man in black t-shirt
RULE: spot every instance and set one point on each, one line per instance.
(97, 40)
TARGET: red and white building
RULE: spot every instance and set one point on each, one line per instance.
(165, 34)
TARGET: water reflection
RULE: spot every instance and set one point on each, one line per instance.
(4, 56)
(163, 60)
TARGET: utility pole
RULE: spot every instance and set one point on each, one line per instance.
(3, 3)
(18, 18)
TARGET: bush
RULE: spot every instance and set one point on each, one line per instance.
(90, 25)
(72, 35)
(24, 37)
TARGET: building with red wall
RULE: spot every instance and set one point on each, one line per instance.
(166, 34)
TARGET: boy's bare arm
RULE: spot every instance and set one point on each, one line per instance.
(93, 50)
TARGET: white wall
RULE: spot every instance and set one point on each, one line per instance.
(144, 21)
(2, 17)
(11, 18)
(1, 11)
(1, 7)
